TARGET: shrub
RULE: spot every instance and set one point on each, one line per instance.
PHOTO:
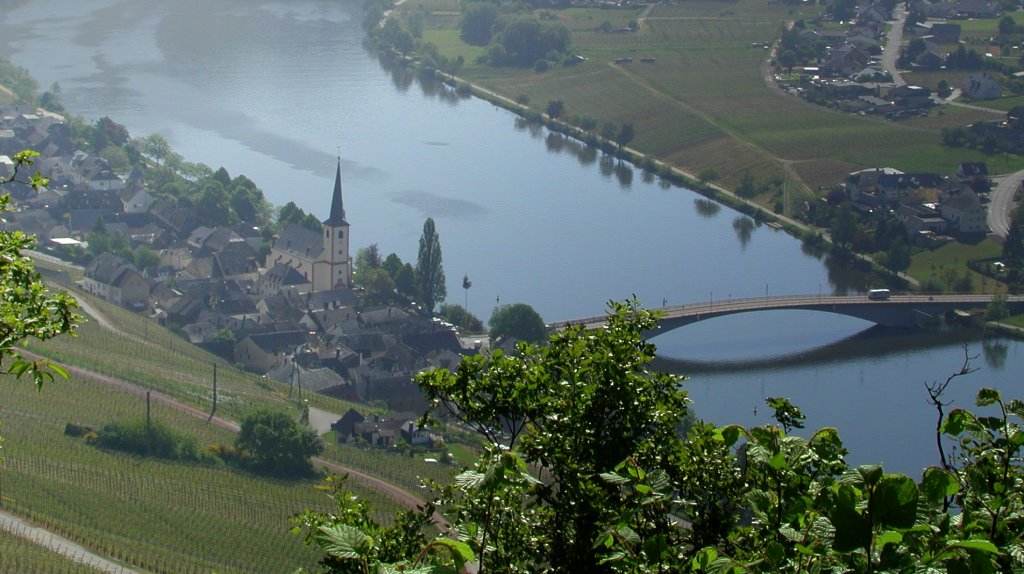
(153, 439)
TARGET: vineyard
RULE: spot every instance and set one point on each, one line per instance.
(159, 516)
(402, 471)
(20, 555)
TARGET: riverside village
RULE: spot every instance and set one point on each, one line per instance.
(285, 305)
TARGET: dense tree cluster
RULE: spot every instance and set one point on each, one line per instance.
(595, 465)
(273, 442)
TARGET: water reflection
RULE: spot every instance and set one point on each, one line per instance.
(995, 352)
(706, 208)
(555, 142)
(624, 173)
(873, 343)
(606, 165)
(744, 228)
(587, 156)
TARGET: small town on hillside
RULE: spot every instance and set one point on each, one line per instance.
(293, 315)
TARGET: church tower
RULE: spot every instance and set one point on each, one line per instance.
(336, 255)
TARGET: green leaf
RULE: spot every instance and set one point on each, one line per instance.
(729, 434)
(987, 397)
(852, 529)
(938, 483)
(957, 420)
(703, 559)
(894, 502)
(344, 541)
(460, 551)
(979, 545)
(871, 473)
(614, 478)
(888, 537)
(469, 480)
(58, 369)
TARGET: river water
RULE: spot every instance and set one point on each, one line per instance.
(277, 90)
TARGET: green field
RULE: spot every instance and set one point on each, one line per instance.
(705, 101)
(20, 555)
(954, 256)
(157, 515)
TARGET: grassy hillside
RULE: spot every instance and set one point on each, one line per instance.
(157, 515)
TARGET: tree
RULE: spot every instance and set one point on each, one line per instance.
(405, 281)
(844, 226)
(1007, 26)
(1013, 247)
(944, 89)
(430, 278)
(579, 407)
(460, 317)
(898, 257)
(555, 109)
(27, 309)
(367, 259)
(477, 23)
(275, 443)
(787, 60)
(997, 310)
(379, 286)
(144, 257)
(625, 135)
(517, 321)
(724, 499)
(708, 175)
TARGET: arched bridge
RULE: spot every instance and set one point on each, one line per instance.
(910, 310)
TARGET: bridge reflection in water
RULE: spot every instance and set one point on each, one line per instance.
(873, 343)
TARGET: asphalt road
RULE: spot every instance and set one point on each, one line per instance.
(1001, 203)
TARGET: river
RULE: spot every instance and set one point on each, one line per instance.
(277, 89)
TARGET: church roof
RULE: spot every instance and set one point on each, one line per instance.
(300, 241)
(337, 218)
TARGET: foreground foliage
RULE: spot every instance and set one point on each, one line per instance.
(27, 309)
(591, 468)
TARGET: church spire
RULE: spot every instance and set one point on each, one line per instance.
(337, 217)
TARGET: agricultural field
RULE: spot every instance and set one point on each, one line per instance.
(165, 516)
(20, 555)
(160, 516)
(704, 101)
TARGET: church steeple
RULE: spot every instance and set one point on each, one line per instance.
(337, 218)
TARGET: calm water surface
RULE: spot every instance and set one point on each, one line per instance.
(276, 90)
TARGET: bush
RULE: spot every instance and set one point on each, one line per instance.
(155, 439)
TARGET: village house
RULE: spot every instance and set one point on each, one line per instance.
(116, 280)
(981, 86)
(263, 351)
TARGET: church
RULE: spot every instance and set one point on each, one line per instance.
(308, 261)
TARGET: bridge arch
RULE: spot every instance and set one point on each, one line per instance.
(907, 310)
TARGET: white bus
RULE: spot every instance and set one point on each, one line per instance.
(879, 294)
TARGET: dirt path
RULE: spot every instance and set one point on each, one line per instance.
(59, 544)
